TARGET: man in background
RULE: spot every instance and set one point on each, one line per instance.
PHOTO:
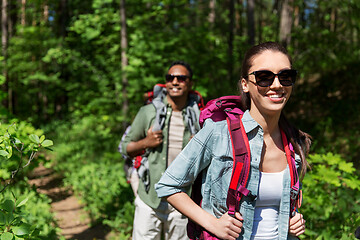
(153, 215)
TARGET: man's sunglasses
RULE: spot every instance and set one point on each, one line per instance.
(180, 78)
(265, 78)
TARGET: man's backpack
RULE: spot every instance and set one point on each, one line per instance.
(156, 97)
(228, 107)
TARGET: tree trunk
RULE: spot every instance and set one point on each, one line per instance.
(259, 30)
(333, 20)
(46, 11)
(211, 16)
(4, 42)
(231, 38)
(286, 22)
(238, 19)
(251, 22)
(63, 16)
(23, 15)
(296, 16)
(61, 101)
(124, 63)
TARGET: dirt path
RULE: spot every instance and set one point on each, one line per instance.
(72, 219)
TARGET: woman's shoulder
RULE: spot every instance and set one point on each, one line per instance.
(215, 126)
(213, 131)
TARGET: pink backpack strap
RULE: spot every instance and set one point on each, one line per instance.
(295, 182)
(241, 165)
(216, 108)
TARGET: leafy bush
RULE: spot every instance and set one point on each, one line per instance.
(331, 198)
(105, 192)
(24, 214)
(29, 216)
(84, 141)
(86, 153)
(17, 146)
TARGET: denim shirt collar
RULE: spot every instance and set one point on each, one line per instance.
(248, 122)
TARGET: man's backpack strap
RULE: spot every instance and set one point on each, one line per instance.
(160, 108)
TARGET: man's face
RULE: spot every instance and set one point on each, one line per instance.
(177, 85)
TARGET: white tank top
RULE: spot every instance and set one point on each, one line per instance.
(265, 226)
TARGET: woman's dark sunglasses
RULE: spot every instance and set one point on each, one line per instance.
(180, 78)
(265, 78)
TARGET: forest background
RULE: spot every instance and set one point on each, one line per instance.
(76, 71)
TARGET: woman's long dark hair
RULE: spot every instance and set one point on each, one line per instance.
(300, 140)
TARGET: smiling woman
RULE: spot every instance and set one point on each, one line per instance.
(271, 99)
(269, 211)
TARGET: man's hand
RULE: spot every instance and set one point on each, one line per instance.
(153, 139)
(297, 225)
(227, 227)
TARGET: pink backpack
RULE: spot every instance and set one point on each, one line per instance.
(228, 107)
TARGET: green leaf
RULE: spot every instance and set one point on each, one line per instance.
(34, 138)
(23, 229)
(21, 201)
(47, 143)
(9, 218)
(2, 218)
(8, 205)
(42, 138)
(4, 153)
(7, 236)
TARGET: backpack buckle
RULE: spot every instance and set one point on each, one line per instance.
(294, 193)
(252, 196)
(218, 103)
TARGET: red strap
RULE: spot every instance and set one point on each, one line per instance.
(241, 164)
(237, 171)
(294, 191)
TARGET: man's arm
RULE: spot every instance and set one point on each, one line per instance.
(152, 139)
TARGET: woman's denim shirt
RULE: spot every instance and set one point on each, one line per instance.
(210, 151)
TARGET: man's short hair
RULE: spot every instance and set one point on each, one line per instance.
(182, 63)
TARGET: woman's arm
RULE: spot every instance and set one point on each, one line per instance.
(225, 227)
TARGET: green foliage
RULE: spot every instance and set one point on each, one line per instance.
(22, 217)
(86, 153)
(64, 74)
(85, 141)
(19, 143)
(105, 192)
(27, 216)
(331, 198)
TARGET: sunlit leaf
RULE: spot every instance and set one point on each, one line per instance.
(7, 236)
(34, 138)
(23, 229)
(47, 143)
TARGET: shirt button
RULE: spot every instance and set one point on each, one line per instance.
(163, 158)
(164, 142)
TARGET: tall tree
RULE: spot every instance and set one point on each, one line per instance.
(4, 42)
(231, 38)
(211, 16)
(124, 61)
(250, 6)
(286, 22)
(23, 13)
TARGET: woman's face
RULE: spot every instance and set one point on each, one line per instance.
(269, 100)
